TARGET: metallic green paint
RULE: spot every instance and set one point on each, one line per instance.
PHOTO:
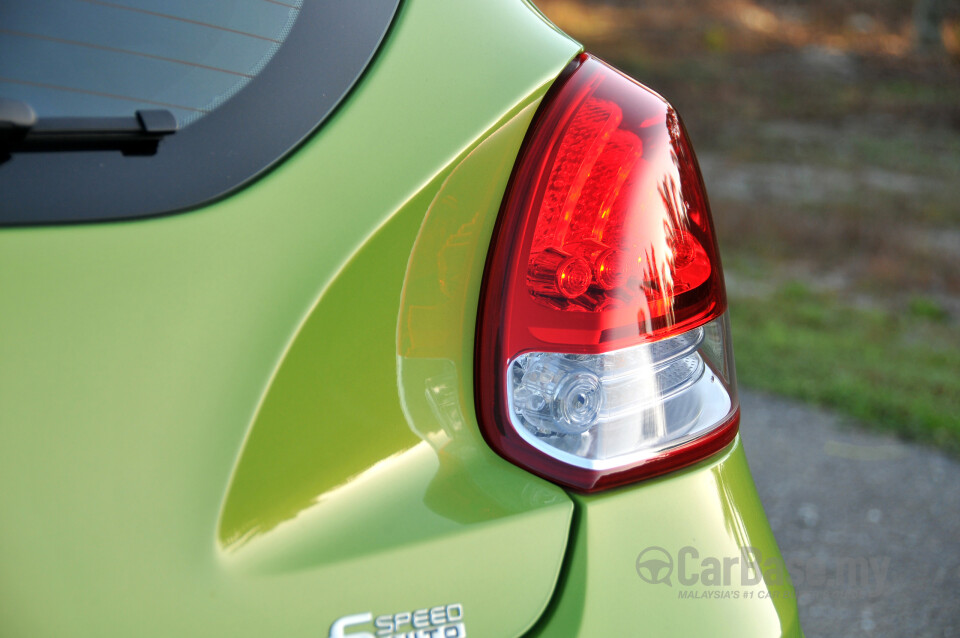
(134, 357)
(711, 508)
(366, 441)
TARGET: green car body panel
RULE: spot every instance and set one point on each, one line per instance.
(257, 418)
(709, 517)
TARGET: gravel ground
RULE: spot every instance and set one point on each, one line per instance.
(868, 524)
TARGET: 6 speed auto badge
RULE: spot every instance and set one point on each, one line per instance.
(445, 621)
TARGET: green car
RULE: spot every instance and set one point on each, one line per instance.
(359, 319)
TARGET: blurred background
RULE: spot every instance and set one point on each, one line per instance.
(828, 133)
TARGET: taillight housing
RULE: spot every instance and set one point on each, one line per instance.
(603, 348)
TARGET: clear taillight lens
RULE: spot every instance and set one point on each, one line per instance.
(603, 411)
(603, 351)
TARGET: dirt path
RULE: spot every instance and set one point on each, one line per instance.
(886, 514)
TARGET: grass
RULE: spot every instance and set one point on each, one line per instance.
(897, 372)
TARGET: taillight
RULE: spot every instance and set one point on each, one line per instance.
(603, 349)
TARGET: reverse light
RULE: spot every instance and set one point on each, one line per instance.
(603, 348)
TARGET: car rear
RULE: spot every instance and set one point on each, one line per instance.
(250, 397)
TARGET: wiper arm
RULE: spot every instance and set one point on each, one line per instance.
(22, 131)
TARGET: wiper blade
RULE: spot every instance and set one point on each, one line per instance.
(22, 131)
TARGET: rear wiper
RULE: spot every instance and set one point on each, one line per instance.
(22, 131)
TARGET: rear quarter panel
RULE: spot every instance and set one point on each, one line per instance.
(221, 422)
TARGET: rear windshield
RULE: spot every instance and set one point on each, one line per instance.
(93, 58)
(246, 80)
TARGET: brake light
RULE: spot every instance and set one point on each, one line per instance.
(603, 348)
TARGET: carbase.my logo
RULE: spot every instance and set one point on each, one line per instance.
(654, 565)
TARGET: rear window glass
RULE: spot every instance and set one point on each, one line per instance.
(79, 58)
(247, 80)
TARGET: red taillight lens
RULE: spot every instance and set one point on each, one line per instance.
(603, 349)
